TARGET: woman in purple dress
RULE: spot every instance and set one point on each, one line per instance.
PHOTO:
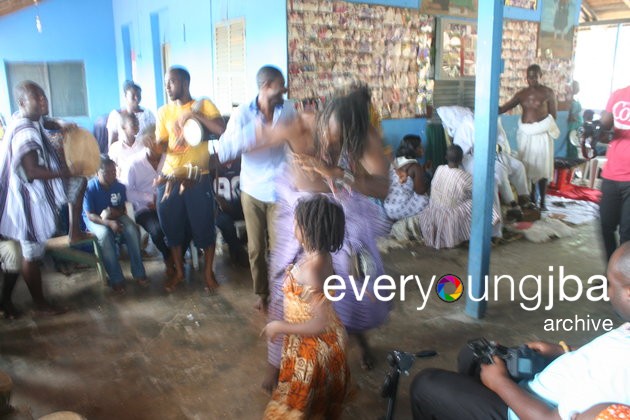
(341, 154)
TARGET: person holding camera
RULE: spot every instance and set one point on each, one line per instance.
(614, 207)
(572, 383)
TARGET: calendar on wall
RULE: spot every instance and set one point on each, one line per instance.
(387, 48)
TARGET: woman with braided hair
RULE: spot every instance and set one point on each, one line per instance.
(339, 153)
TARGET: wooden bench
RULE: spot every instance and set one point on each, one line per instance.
(59, 247)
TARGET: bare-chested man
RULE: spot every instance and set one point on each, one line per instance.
(536, 130)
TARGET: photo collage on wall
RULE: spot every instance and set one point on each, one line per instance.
(388, 48)
(523, 4)
(519, 51)
(335, 43)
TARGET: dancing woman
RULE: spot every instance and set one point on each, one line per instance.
(340, 154)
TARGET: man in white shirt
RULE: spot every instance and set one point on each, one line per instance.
(576, 380)
(123, 152)
(141, 190)
(259, 168)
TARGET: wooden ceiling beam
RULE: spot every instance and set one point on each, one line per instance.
(10, 6)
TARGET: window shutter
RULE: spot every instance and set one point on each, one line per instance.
(230, 83)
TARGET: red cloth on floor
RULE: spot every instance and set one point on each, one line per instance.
(562, 187)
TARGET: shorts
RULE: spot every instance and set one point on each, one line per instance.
(32, 251)
(190, 213)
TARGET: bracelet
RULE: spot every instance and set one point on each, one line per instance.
(348, 178)
(345, 182)
(564, 346)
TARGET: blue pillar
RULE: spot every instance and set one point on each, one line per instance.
(489, 31)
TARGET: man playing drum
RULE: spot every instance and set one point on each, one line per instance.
(191, 204)
(32, 188)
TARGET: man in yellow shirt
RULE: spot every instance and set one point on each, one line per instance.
(192, 208)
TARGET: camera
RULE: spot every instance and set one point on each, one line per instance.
(521, 362)
(591, 133)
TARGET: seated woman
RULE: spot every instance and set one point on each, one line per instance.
(408, 187)
(445, 223)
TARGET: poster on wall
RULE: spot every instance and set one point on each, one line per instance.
(557, 26)
(467, 8)
(523, 4)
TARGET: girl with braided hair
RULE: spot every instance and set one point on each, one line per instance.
(314, 375)
(340, 154)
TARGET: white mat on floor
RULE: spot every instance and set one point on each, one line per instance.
(576, 212)
(545, 229)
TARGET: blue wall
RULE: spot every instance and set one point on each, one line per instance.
(72, 30)
(70, 34)
(189, 31)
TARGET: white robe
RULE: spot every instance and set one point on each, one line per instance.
(535, 147)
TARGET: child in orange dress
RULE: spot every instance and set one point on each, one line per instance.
(314, 376)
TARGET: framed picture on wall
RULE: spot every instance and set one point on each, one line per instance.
(523, 4)
(557, 27)
(466, 8)
(456, 49)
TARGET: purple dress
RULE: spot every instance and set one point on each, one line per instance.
(365, 221)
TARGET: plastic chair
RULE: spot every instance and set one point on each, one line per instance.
(592, 169)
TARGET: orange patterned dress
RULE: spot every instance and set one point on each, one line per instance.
(614, 412)
(314, 377)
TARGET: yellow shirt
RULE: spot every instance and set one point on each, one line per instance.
(176, 157)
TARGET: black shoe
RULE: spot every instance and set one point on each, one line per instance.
(9, 311)
(514, 213)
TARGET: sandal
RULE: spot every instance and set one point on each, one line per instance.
(119, 288)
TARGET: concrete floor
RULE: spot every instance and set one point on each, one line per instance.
(150, 355)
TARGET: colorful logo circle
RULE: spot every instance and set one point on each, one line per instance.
(449, 288)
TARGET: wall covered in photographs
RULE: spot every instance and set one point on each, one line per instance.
(465, 8)
(519, 52)
(386, 47)
(523, 4)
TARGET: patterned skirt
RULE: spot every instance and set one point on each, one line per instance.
(314, 376)
(359, 257)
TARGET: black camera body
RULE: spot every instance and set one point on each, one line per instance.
(591, 133)
(521, 362)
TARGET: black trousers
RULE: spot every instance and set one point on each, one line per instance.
(225, 223)
(614, 210)
(149, 220)
(438, 394)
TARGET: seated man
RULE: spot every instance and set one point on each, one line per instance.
(105, 216)
(508, 170)
(228, 195)
(125, 151)
(445, 223)
(598, 372)
(140, 178)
